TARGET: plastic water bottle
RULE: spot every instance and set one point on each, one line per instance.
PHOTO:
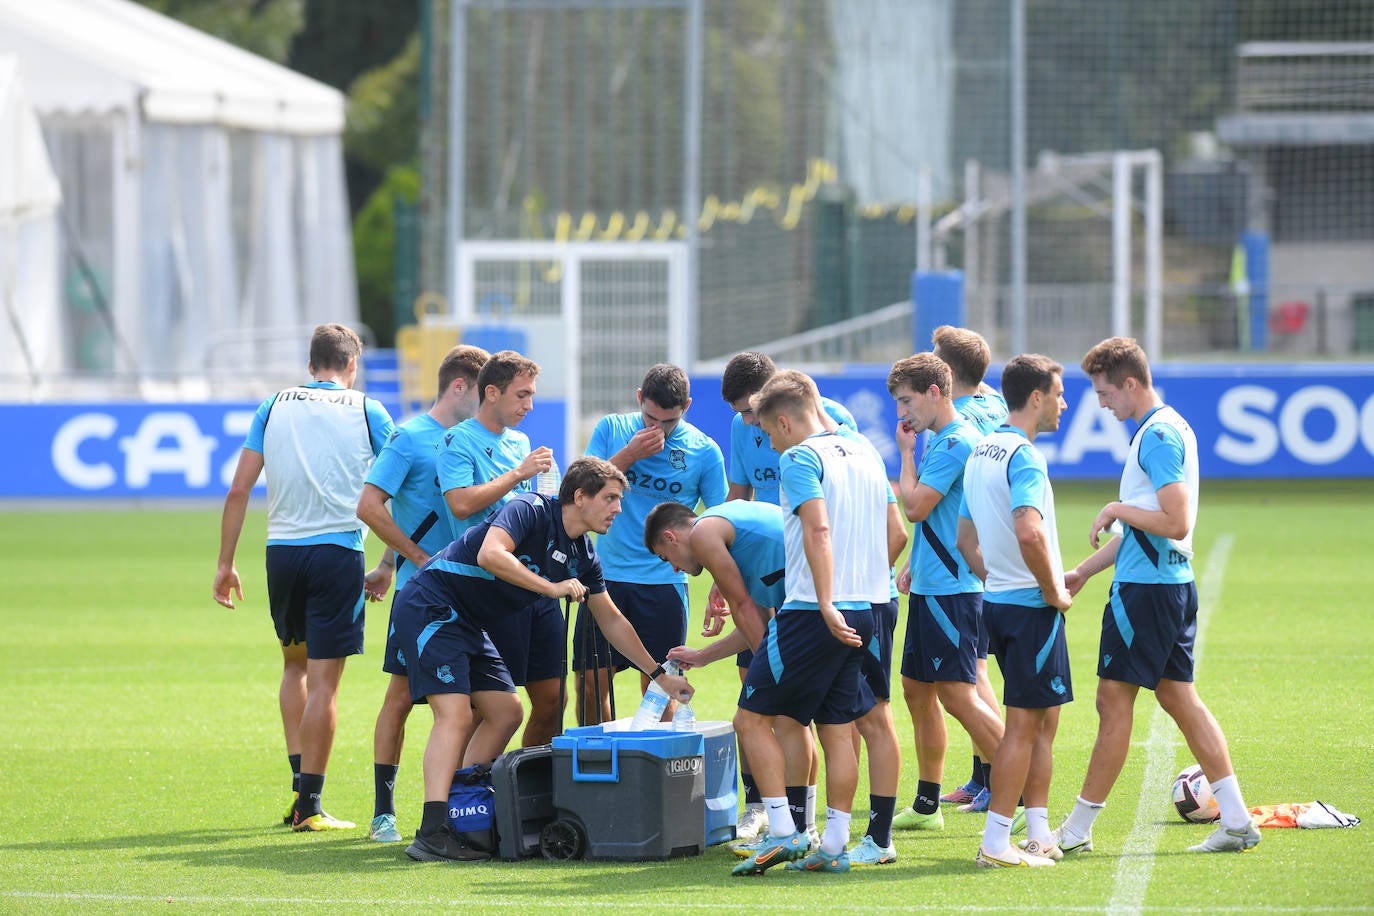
(650, 710)
(549, 481)
(685, 719)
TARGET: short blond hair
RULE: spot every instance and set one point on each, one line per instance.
(788, 392)
(965, 351)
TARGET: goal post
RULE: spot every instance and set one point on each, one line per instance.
(595, 315)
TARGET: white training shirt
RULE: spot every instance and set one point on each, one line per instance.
(317, 445)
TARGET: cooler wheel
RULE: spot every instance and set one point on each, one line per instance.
(562, 840)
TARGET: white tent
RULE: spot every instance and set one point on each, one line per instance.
(205, 203)
(29, 194)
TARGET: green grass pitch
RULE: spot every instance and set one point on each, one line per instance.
(143, 765)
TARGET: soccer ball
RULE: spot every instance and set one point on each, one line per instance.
(1192, 797)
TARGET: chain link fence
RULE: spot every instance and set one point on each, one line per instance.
(822, 120)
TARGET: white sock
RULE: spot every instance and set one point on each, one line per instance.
(997, 833)
(779, 816)
(836, 832)
(1079, 823)
(1234, 814)
(810, 807)
(1038, 824)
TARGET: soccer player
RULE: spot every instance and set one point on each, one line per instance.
(485, 461)
(939, 661)
(834, 502)
(414, 529)
(753, 468)
(316, 451)
(1150, 620)
(536, 546)
(663, 457)
(967, 354)
(753, 471)
(1008, 537)
(740, 542)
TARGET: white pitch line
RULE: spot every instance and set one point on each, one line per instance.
(575, 903)
(1137, 856)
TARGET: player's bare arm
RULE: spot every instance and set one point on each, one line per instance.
(897, 536)
(227, 585)
(464, 502)
(711, 539)
(728, 645)
(966, 541)
(643, 444)
(372, 511)
(819, 556)
(1100, 559)
(497, 556)
(1035, 552)
(1170, 520)
(621, 634)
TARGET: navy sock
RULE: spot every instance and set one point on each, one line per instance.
(796, 803)
(880, 809)
(751, 789)
(927, 797)
(308, 802)
(977, 777)
(384, 782)
(295, 761)
(987, 775)
(434, 817)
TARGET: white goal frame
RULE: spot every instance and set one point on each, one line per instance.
(570, 257)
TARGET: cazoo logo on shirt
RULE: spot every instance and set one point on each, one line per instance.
(641, 481)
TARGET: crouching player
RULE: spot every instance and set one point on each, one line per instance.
(536, 546)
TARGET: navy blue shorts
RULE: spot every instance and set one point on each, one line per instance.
(803, 672)
(982, 634)
(942, 638)
(530, 641)
(657, 612)
(877, 663)
(1148, 633)
(1032, 652)
(394, 661)
(316, 594)
(445, 651)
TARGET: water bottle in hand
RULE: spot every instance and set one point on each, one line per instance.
(549, 481)
(650, 712)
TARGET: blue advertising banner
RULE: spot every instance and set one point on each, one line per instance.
(150, 450)
(1250, 420)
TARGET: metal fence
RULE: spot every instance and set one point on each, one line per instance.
(821, 122)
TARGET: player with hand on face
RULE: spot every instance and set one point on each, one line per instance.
(1150, 620)
(967, 354)
(664, 458)
(939, 662)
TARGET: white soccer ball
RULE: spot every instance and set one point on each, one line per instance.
(1192, 797)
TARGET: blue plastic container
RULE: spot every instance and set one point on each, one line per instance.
(627, 795)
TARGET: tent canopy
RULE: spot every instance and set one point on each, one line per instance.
(115, 55)
(203, 192)
(28, 187)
